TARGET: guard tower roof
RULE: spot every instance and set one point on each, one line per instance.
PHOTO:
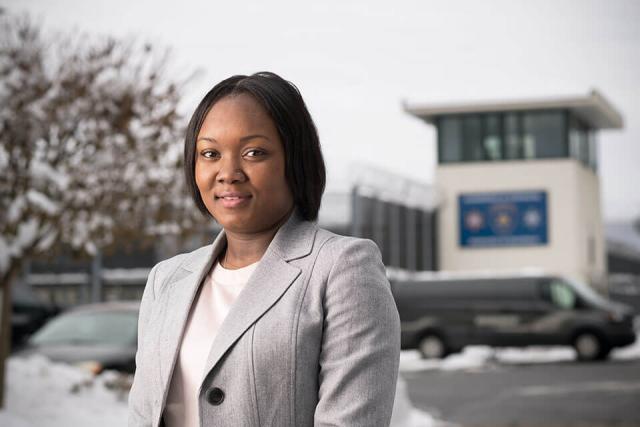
(594, 109)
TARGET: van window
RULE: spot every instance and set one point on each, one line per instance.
(562, 295)
(587, 294)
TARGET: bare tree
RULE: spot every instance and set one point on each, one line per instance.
(90, 147)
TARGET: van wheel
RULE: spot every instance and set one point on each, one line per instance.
(589, 346)
(431, 346)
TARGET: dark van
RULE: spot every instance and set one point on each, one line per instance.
(441, 313)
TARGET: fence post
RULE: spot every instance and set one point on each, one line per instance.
(96, 277)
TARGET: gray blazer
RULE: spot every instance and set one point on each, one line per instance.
(312, 340)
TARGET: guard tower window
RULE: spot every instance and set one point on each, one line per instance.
(450, 135)
(492, 138)
(462, 139)
(472, 138)
(543, 135)
(503, 136)
(513, 140)
(593, 150)
(582, 144)
(561, 127)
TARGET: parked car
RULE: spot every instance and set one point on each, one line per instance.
(99, 336)
(442, 313)
(28, 314)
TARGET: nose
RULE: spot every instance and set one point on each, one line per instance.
(230, 171)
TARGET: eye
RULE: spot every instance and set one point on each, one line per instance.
(209, 154)
(255, 152)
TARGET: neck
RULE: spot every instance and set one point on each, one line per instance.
(247, 248)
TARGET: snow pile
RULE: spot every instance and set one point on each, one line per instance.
(405, 415)
(40, 392)
(630, 352)
(472, 358)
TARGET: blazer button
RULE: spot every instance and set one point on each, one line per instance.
(215, 396)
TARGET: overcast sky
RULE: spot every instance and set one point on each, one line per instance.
(355, 61)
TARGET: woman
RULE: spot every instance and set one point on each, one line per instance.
(278, 322)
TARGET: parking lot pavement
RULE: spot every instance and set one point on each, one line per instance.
(527, 388)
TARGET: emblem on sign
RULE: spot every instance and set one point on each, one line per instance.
(503, 218)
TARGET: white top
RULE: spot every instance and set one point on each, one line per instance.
(216, 296)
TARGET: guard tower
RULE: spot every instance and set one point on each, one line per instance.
(520, 186)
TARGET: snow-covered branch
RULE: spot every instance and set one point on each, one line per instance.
(90, 143)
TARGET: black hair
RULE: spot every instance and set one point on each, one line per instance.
(304, 164)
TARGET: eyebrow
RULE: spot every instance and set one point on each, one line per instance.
(243, 139)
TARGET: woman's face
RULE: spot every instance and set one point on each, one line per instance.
(240, 166)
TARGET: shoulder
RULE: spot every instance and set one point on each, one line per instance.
(169, 266)
(353, 274)
(338, 245)
(337, 251)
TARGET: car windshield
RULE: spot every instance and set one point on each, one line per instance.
(588, 293)
(103, 327)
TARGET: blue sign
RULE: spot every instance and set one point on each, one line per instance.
(503, 219)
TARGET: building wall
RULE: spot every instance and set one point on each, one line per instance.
(404, 234)
(573, 204)
(592, 261)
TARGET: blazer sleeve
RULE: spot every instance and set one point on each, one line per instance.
(361, 340)
(139, 409)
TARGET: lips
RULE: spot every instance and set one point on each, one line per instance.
(232, 199)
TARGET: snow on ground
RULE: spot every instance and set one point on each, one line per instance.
(405, 415)
(484, 358)
(42, 393)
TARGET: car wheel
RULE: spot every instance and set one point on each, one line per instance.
(431, 346)
(589, 346)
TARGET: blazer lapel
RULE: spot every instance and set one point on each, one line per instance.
(177, 304)
(271, 278)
